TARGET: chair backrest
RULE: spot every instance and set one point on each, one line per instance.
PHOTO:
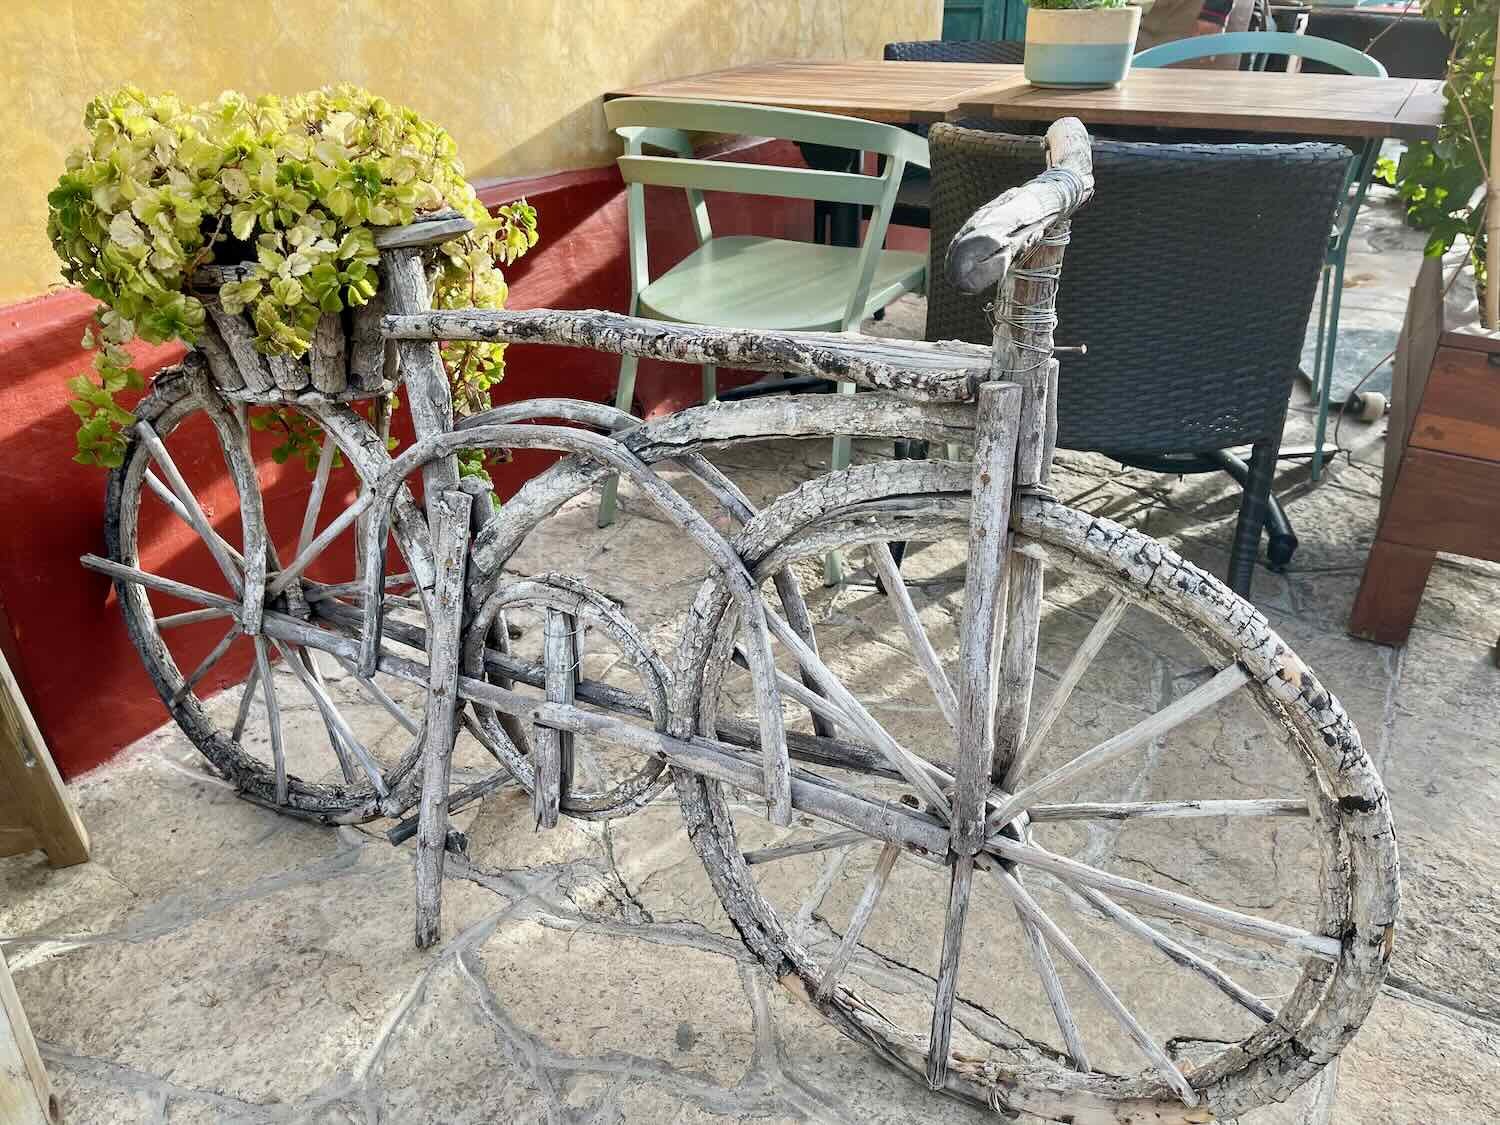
(1190, 277)
(1011, 51)
(1408, 46)
(666, 123)
(1339, 55)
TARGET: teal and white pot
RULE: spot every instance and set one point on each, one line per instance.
(1080, 47)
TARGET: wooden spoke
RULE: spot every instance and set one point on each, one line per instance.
(1168, 810)
(335, 740)
(1169, 717)
(799, 692)
(1180, 954)
(1058, 700)
(916, 635)
(214, 656)
(471, 724)
(863, 910)
(247, 697)
(156, 582)
(315, 498)
(379, 694)
(1169, 902)
(320, 544)
(355, 590)
(917, 772)
(961, 883)
(1060, 941)
(168, 498)
(552, 749)
(806, 847)
(331, 715)
(191, 617)
(273, 717)
(190, 508)
(1046, 971)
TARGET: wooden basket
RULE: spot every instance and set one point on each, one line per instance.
(348, 359)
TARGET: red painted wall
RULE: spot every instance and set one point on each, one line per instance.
(59, 624)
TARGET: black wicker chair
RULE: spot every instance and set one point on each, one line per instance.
(912, 202)
(1408, 46)
(1190, 278)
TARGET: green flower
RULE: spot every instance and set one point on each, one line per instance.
(290, 187)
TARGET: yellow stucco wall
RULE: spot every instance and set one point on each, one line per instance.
(516, 81)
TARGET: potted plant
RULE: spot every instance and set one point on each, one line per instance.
(1080, 43)
(249, 223)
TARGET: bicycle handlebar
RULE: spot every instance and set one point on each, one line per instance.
(1001, 232)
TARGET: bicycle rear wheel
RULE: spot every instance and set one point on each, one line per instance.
(304, 733)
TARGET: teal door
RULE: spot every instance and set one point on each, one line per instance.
(984, 19)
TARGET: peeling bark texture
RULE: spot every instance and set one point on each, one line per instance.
(366, 346)
(429, 229)
(945, 371)
(450, 520)
(330, 373)
(1001, 232)
(1324, 1011)
(172, 400)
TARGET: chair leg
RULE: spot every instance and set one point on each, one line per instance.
(624, 393)
(1252, 518)
(710, 383)
(833, 562)
(1281, 539)
(1335, 298)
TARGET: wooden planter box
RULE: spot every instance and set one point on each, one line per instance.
(1441, 483)
(348, 360)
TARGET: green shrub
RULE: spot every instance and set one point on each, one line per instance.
(1439, 180)
(292, 185)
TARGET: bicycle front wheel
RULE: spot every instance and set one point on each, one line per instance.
(1187, 904)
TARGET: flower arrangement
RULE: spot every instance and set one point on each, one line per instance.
(292, 186)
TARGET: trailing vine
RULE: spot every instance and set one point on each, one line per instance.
(293, 186)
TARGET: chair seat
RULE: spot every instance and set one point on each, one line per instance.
(743, 281)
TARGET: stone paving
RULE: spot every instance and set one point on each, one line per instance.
(217, 963)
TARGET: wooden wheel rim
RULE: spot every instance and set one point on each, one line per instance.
(171, 404)
(577, 598)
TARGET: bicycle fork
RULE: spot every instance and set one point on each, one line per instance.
(1015, 429)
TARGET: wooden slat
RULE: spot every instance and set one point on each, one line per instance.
(25, 1093)
(906, 93)
(1416, 348)
(1446, 503)
(1302, 104)
(27, 772)
(894, 92)
(16, 834)
(1460, 411)
(1422, 109)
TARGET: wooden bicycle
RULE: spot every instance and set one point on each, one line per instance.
(938, 946)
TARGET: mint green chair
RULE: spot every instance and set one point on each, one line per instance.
(1260, 45)
(746, 281)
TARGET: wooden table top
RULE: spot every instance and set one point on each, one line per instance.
(1329, 105)
(920, 93)
(899, 93)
